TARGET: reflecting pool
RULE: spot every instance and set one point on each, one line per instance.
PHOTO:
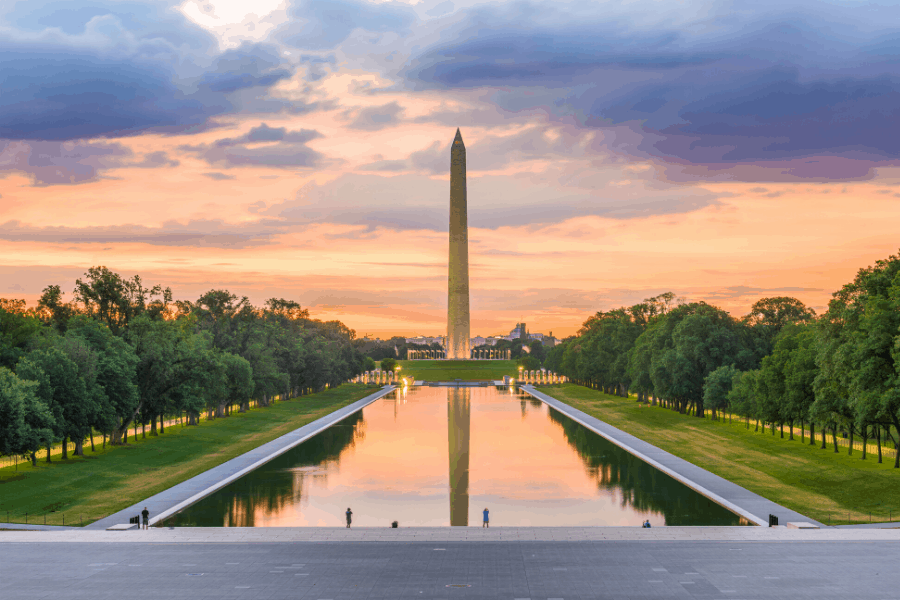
(433, 456)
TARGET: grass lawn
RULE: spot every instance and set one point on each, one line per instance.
(107, 481)
(448, 370)
(828, 487)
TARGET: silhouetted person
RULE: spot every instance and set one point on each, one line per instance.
(145, 514)
(349, 516)
(487, 521)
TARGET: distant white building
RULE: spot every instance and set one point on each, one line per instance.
(476, 341)
(425, 340)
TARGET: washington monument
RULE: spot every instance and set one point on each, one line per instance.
(458, 265)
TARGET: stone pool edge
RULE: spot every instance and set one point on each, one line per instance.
(178, 497)
(718, 489)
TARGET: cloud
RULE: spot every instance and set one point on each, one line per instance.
(374, 118)
(324, 24)
(262, 146)
(194, 233)
(114, 69)
(155, 160)
(54, 163)
(440, 9)
(771, 86)
(741, 291)
(218, 176)
(419, 201)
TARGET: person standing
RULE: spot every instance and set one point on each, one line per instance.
(349, 516)
(487, 522)
(145, 515)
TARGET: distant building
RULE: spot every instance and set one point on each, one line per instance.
(425, 340)
(477, 341)
(518, 332)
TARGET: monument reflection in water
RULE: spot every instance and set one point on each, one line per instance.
(459, 421)
(439, 456)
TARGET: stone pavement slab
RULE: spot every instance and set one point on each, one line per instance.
(196, 488)
(741, 501)
(228, 535)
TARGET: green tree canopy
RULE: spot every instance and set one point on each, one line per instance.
(26, 424)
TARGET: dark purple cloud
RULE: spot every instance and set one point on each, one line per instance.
(112, 69)
(73, 162)
(54, 163)
(807, 91)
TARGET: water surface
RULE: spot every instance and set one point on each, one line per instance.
(439, 456)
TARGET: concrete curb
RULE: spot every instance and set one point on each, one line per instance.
(29, 527)
(619, 437)
(180, 496)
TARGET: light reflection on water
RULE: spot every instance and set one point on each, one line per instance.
(439, 456)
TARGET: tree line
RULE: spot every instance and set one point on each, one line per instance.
(121, 353)
(779, 365)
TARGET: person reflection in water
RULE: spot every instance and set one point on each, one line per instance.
(349, 516)
(486, 522)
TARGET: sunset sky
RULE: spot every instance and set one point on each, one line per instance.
(725, 151)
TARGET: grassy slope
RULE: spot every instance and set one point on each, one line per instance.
(103, 483)
(818, 483)
(448, 370)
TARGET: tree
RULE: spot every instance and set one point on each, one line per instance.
(743, 398)
(62, 389)
(388, 364)
(238, 381)
(114, 300)
(799, 377)
(53, 310)
(116, 392)
(859, 358)
(530, 363)
(17, 328)
(768, 316)
(537, 350)
(680, 348)
(169, 357)
(25, 423)
(716, 388)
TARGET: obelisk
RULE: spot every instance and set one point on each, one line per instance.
(458, 265)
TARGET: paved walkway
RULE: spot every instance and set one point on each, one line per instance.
(456, 570)
(730, 495)
(188, 492)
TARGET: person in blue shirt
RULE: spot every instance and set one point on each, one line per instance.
(349, 516)
(486, 520)
(646, 524)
